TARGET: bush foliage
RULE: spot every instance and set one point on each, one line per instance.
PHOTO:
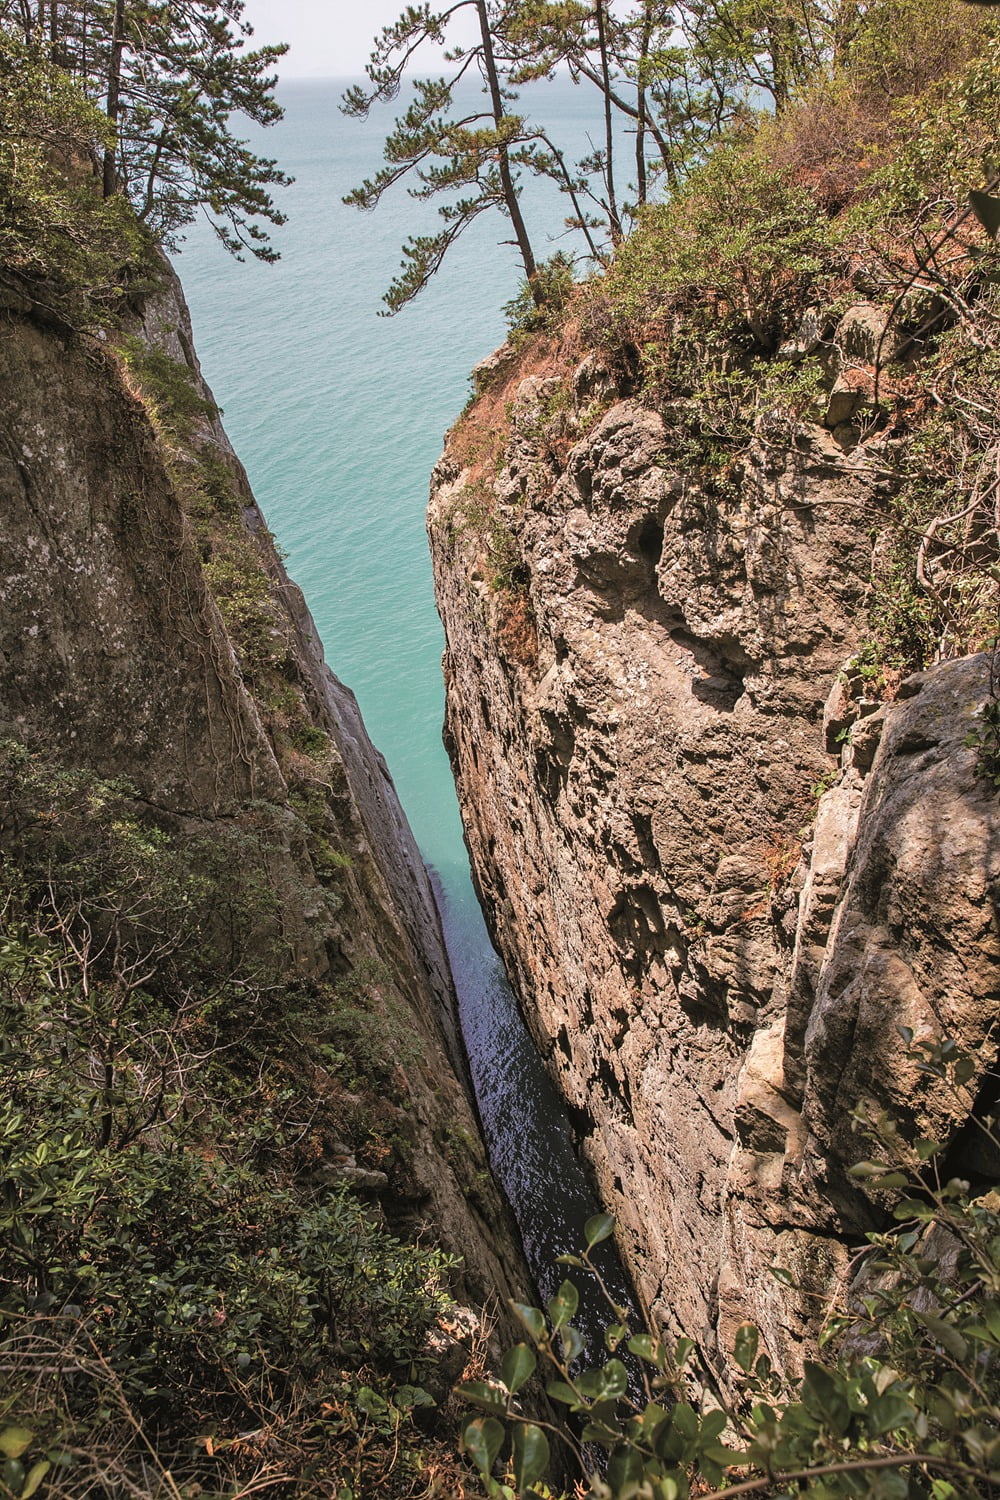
(856, 191)
(174, 1272)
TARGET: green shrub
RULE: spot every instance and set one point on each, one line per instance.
(176, 1269)
(555, 281)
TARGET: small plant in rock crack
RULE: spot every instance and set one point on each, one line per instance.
(986, 736)
(986, 739)
(903, 1400)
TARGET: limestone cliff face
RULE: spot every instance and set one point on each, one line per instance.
(714, 965)
(118, 655)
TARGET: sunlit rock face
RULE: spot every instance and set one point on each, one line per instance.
(717, 898)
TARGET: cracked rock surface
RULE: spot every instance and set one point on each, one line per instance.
(713, 963)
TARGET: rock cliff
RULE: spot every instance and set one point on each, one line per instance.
(721, 875)
(151, 635)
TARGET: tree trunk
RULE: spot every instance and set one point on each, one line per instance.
(506, 178)
(114, 97)
(626, 108)
(614, 221)
(568, 187)
(640, 131)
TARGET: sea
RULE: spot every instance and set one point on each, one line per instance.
(339, 416)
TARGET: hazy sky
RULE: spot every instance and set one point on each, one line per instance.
(328, 38)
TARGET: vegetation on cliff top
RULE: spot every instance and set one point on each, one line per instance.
(721, 307)
(164, 81)
(675, 76)
(115, 132)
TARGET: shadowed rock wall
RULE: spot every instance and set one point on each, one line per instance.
(114, 657)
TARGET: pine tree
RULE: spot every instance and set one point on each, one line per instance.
(169, 75)
(474, 154)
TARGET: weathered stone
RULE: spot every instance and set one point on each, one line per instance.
(865, 333)
(832, 839)
(361, 1177)
(852, 391)
(713, 994)
(839, 713)
(806, 338)
(625, 800)
(915, 940)
(865, 738)
(490, 367)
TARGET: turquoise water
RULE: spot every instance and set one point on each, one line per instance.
(339, 416)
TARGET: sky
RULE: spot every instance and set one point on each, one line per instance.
(327, 38)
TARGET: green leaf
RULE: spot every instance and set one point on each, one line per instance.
(606, 1384)
(518, 1367)
(573, 1343)
(15, 1440)
(482, 1395)
(601, 1432)
(625, 1470)
(532, 1319)
(531, 1455)
(410, 1396)
(13, 1474)
(912, 1208)
(893, 1180)
(745, 1346)
(652, 1420)
(713, 1426)
(600, 1227)
(646, 1348)
(370, 1402)
(614, 1335)
(563, 1306)
(482, 1439)
(558, 1390)
(682, 1349)
(985, 207)
(685, 1420)
(36, 1474)
(945, 1334)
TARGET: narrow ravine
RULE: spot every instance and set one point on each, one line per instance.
(338, 416)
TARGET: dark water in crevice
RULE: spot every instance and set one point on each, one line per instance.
(338, 416)
(524, 1120)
